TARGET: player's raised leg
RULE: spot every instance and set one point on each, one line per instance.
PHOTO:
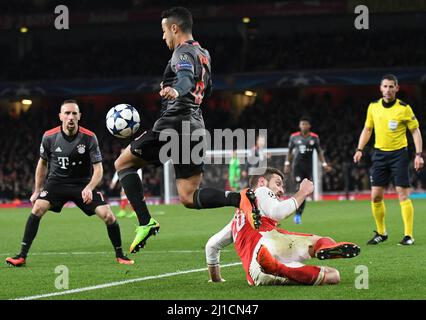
(194, 197)
(127, 166)
(104, 212)
(39, 209)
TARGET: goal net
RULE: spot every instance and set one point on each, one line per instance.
(217, 167)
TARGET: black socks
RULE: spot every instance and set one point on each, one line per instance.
(133, 188)
(205, 198)
(30, 232)
(115, 237)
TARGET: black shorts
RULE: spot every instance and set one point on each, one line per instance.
(58, 194)
(390, 164)
(148, 146)
(301, 172)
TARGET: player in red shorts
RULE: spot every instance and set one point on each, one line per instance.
(270, 255)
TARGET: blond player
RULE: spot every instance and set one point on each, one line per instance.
(270, 255)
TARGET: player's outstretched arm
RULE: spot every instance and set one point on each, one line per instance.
(279, 210)
(213, 247)
(40, 176)
(363, 140)
(418, 142)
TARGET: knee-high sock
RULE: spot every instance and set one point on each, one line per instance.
(379, 210)
(205, 198)
(133, 188)
(309, 275)
(30, 232)
(115, 237)
(407, 211)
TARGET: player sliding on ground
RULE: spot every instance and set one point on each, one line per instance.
(72, 161)
(270, 255)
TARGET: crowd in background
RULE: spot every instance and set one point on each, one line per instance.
(338, 126)
(100, 58)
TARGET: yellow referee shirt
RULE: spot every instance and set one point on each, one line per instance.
(390, 124)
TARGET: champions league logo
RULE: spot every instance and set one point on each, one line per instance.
(81, 148)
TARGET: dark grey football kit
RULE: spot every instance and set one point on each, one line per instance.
(70, 160)
(189, 73)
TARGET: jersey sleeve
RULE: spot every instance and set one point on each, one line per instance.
(317, 143)
(95, 152)
(412, 122)
(273, 208)
(216, 243)
(290, 144)
(369, 122)
(182, 60)
(45, 148)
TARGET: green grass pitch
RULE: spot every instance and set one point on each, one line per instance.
(81, 244)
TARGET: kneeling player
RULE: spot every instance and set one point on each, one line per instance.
(75, 168)
(270, 255)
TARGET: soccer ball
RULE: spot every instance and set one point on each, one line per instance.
(122, 121)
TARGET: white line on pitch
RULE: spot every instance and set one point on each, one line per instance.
(119, 283)
(105, 252)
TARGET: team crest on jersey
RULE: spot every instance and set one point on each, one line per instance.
(43, 194)
(81, 148)
(311, 142)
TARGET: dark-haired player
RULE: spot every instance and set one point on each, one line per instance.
(186, 80)
(303, 143)
(271, 255)
(390, 118)
(72, 161)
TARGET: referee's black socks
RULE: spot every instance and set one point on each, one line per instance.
(133, 188)
(30, 232)
(205, 198)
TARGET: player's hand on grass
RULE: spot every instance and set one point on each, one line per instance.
(418, 163)
(34, 197)
(168, 93)
(357, 156)
(306, 186)
(87, 195)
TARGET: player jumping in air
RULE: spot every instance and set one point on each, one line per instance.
(187, 78)
(303, 144)
(74, 171)
(270, 255)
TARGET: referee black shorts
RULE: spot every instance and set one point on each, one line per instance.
(390, 165)
(60, 193)
(148, 146)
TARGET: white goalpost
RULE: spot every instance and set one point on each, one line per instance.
(216, 170)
